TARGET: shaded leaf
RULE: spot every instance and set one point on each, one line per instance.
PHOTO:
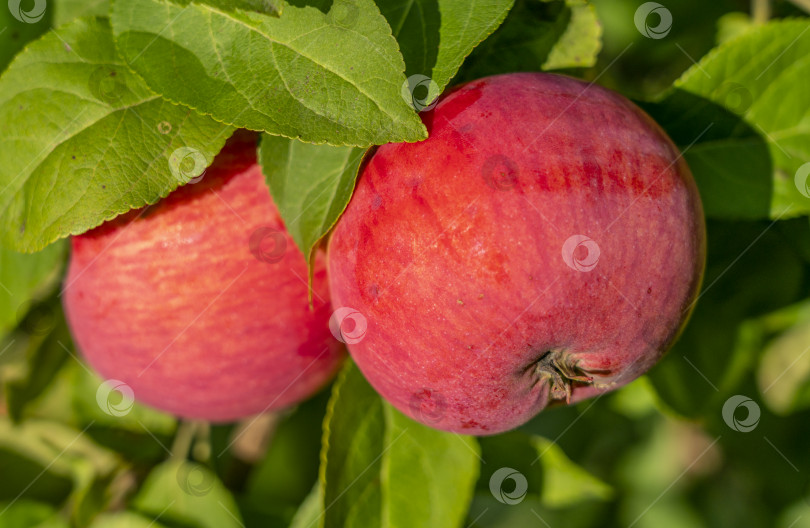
(187, 493)
(784, 373)
(436, 36)
(310, 184)
(31, 21)
(31, 514)
(539, 35)
(25, 278)
(750, 161)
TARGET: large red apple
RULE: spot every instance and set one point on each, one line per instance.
(199, 303)
(544, 245)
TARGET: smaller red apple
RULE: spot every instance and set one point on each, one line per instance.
(199, 302)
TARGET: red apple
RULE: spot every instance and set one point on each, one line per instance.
(199, 303)
(544, 245)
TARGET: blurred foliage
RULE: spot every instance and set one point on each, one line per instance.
(667, 451)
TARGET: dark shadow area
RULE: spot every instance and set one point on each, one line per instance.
(730, 160)
(322, 5)
(522, 43)
(416, 28)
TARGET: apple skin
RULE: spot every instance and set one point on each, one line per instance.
(452, 249)
(172, 301)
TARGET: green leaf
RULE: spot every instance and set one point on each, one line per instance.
(564, 482)
(427, 475)
(732, 25)
(353, 444)
(187, 493)
(581, 41)
(125, 519)
(275, 487)
(310, 184)
(85, 140)
(379, 468)
(63, 453)
(435, 36)
(44, 356)
(31, 515)
(784, 372)
(112, 411)
(541, 466)
(539, 35)
(65, 11)
(333, 78)
(464, 25)
(756, 123)
(310, 511)
(75, 396)
(45, 381)
(20, 25)
(24, 279)
(752, 269)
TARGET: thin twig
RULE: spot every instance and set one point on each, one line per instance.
(760, 11)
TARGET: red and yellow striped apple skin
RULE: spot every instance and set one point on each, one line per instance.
(453, 250)
(172, 300)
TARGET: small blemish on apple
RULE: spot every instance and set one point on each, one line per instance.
(374, 291)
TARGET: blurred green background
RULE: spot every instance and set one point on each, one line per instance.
(659, 453)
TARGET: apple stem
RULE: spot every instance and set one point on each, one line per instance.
(560, 369)
(181, 446)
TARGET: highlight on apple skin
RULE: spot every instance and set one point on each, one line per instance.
(545, 244)
(199, 302)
